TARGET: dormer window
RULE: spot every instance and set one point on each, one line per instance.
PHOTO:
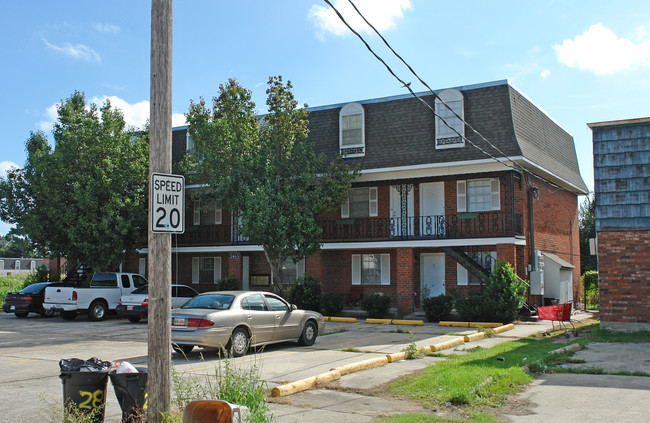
(450, 129)
(352, 130)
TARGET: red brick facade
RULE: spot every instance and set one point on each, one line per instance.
(624, 277)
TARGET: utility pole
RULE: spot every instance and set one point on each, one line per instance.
(160, 246)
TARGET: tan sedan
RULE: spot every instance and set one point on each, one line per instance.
(237, 320)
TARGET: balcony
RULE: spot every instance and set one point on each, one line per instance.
(451, 226)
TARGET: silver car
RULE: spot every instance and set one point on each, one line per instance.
(237, 320)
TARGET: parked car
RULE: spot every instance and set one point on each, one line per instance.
(237, 320)
(135, 305)
(97, 300)
(28, 300)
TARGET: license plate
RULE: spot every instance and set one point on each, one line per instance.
(12, 308)
(179, 321)
(129, 307)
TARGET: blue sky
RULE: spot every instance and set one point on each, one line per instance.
(580, 61)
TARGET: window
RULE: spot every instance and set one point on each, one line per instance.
(2, 265)
(254, 302)
(126, 283)
(276, 304)
(352, 130)
(362, 203)
(139, 281)
(478, 195)
(450, 130)
(191, 147)
(207, 214)
(32, 265)
(292, 271)
(370, 269)
(486, 259)
(17, 265)
(206, 269)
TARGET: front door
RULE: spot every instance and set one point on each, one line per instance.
(432, 274)
(401, 210)
(432, 209)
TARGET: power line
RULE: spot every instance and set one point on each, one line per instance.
(515, 166)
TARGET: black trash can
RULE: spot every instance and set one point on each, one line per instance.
(131, 392)
(85, 390)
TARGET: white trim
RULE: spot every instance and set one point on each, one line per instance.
(356, 269)
(551, 175)
(217, 269)
(385, 269)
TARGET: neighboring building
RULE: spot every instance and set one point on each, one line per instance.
(622, 191)
(19, 266)
(429, 212)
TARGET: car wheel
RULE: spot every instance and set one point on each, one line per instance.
(68, 315)
(134, 319)
(97, 311)
(309, 333)
(46, 312)
(21, 313)
(239, 342)
(183, 349)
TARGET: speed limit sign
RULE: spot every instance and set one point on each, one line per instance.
(167, 203)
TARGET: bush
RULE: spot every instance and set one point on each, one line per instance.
(41, 274)
(333, 303)
(376, 305)
(590, 287)
(306, 293)
(10, 284)
(437, 308)
(229, 283)
(500, 299)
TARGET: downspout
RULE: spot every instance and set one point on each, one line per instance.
(532, 195)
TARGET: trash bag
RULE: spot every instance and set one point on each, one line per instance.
(93, 364)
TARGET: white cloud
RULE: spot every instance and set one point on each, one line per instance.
(106, 27)
(601, 51)
(545, 73)
(78, 51)
(382, 14)
(135, 115)
(5, 166)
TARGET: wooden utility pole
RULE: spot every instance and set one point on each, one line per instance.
(160, 245)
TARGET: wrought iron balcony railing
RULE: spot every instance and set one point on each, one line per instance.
(451, 226)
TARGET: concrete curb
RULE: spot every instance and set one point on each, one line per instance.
(568, 348)
(396, 322)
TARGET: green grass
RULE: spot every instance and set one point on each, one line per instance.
(603, 335)
(424, 418)
(10, 284)
(332, 332)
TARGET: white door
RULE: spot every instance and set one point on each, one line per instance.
(432, 209)
(401, 225)
(432, 274)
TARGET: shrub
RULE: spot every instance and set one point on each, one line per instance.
(10, 284)
(500, 299)
(376, 305)
(333, 303)
(437, 308)
(229, 283)
(590, 287)
(306, 293)
(41, 274)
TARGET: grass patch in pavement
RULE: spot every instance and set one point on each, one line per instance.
(333, 331)
(603, 335)
(482, 377)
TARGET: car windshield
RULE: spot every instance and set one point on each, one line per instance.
(35, 288)
(141, 290)
(210, 301)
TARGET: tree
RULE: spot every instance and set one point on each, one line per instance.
(587, 221)
(15, 245)
(265, 170)
(86, 199)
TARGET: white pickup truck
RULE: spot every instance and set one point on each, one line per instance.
(102, 296)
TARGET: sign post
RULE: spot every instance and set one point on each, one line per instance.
(167, 214)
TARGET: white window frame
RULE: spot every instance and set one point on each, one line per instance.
(300, 269)
(463, 200)
(196, 263)
(356, 150)
(218, 213)
(17, 265)
(373, 203)
(2, 265)
(444, 139)
(190, 147)
(462, 275)
(32, 265)
(357, 269)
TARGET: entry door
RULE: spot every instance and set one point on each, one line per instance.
(432, 274)
(401, 221)
(432, 209)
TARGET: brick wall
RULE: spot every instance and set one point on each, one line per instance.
(624, 277)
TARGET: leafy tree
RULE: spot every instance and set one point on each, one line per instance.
(15, 245)
(86, 198)
(266, 170)
(587, 219)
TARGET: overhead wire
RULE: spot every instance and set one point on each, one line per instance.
(515, 166)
